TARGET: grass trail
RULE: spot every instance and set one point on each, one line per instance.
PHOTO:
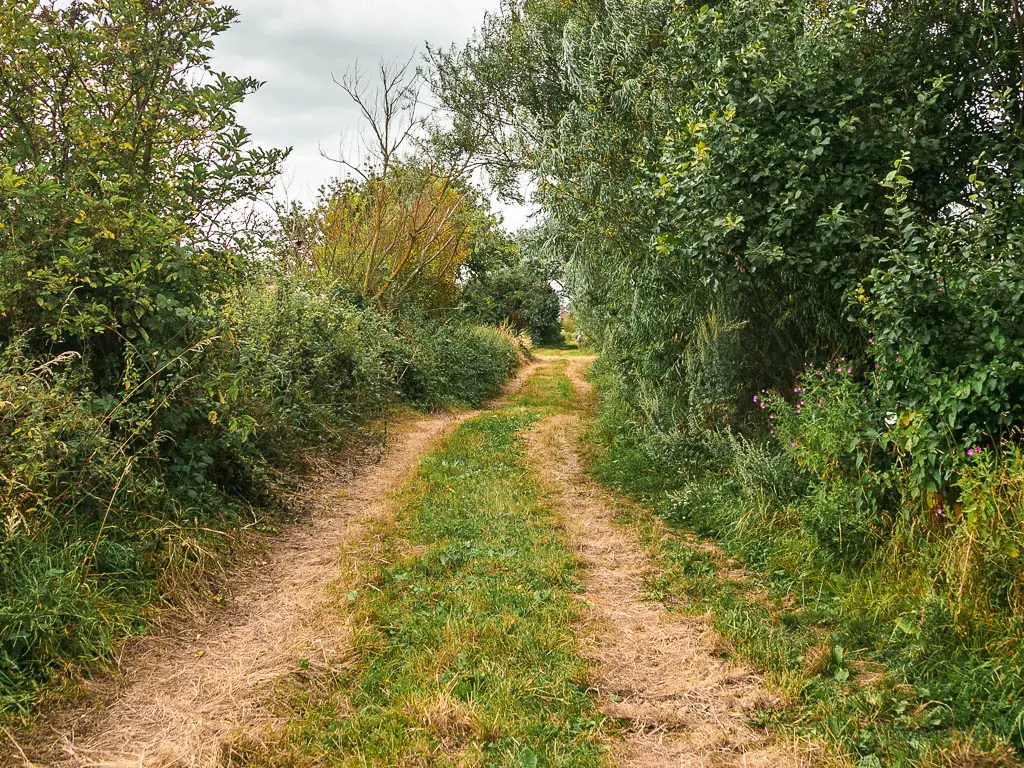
(465, 651)
(501, 620)
(483, 605)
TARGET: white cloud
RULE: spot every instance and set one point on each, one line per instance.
(297, 47)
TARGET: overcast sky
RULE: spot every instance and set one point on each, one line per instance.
(297, 45)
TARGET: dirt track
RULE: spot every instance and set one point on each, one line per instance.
(181, 696)
(657, 672)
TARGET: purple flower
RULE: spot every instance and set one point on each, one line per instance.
(970, 452)
(793, 444)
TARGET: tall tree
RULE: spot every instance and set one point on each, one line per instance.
(123, 177)
(402, 222)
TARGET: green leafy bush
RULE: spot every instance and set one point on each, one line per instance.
(310, 364)
(454, 364)
(518, 293)
(944, 314)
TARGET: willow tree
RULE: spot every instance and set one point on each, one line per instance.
(392, 241)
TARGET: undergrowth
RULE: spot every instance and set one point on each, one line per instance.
(109, 505)
(869, 654)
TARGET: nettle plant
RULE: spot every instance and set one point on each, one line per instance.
(834, 429)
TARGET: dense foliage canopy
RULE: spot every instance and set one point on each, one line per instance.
(808, 174)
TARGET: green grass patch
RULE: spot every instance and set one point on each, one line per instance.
(466, 653)
(548, 388)
(567, 349)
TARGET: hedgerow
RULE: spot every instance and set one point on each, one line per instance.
(163, 353)
(98, 521)
(748, 194)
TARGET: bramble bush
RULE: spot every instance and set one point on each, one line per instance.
(456, 364)
(70, 490)
(310, 364)
(863, 499)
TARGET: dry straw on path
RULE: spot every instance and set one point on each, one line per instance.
(655, 671)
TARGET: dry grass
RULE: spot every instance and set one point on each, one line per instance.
(964, 754)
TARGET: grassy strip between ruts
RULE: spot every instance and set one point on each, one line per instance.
(464, 649)
(793, 620)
